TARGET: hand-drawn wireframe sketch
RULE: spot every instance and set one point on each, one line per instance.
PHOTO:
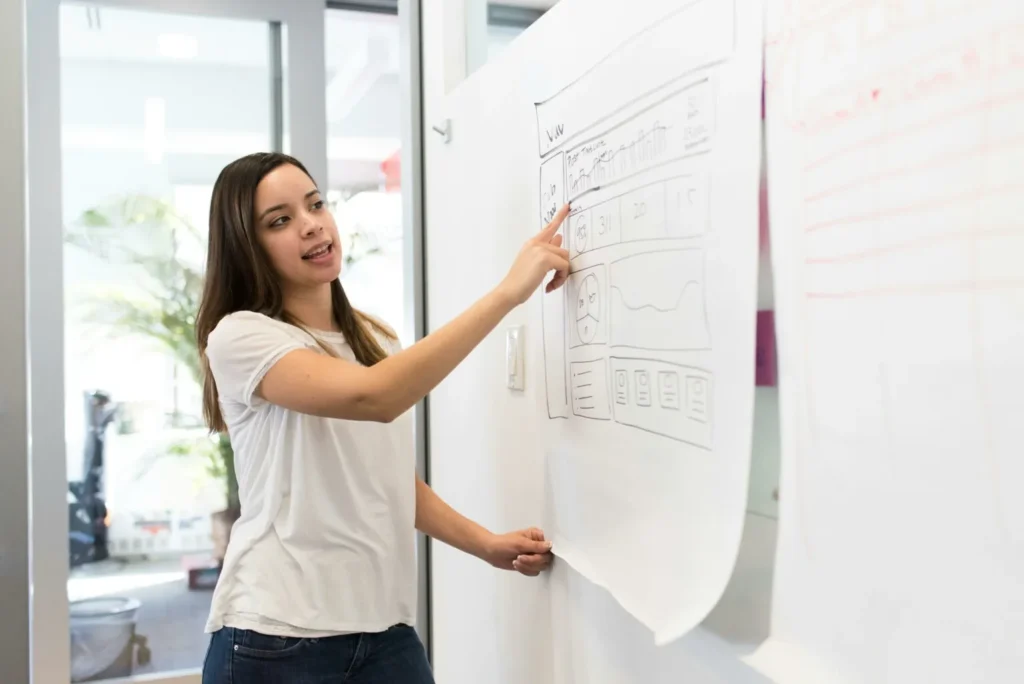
(589, 321)
(677, 127)
(650, 115)
(638, 181)
(664, 398)
(657, 301)
(590, 389)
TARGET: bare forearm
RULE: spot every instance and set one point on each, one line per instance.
(438, 520)
(408, 376)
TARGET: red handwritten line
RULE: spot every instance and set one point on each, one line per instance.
(966, 48)
(924, 241)
(825, 17)
(876, 140)
(925, 87)
(916, 207)
(893, 34)
(830, 16)
(929, 289)
(958, 155)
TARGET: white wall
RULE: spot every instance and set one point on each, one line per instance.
(490, 626)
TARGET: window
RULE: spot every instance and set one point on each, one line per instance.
(364, 160)
(152, 107)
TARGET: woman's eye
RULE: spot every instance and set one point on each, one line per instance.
(278, 222)
(318, 205)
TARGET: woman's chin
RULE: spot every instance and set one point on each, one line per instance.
(325, 273)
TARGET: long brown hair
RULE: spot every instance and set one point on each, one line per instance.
(239, 276)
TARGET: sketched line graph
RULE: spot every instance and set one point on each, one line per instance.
(655, 307)
(648, 146)
(658, 301)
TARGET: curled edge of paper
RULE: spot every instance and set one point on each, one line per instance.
(563, 551)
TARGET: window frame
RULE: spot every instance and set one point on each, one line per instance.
(48, 524)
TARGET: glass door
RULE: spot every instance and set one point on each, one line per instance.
(152, 103)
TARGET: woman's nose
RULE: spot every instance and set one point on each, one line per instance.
(311, 226)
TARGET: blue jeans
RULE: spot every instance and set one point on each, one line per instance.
(238, 656)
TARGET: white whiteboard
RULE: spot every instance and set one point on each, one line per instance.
(647, 119)
(895, 151)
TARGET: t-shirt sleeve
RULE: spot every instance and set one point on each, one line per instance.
(241, 349)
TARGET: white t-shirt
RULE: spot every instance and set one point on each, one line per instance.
(326, 541)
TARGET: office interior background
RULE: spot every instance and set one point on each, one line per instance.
(115, 118)
(131, 110)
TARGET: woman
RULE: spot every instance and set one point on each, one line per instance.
(319, 581)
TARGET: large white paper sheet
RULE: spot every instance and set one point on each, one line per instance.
(895, 156)
(649, 124)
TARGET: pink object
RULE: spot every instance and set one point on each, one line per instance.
(765, 373)
(392, 169)
(763, 89)
(763, 215)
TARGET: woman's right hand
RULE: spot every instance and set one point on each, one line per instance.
(541, 254)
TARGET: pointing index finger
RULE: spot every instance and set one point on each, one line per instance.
(549, 230)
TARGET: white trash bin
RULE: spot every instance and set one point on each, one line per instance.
(102, 629)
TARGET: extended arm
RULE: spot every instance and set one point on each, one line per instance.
(313, 383)
(438, 520)
(525, 551)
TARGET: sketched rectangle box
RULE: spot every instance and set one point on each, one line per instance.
(587, 311)
(678, 126)
(663, 398)
(701, 25)
(657, 301)
(589, 389)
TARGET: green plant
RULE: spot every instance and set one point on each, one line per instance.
(220, 462)
(163, 254)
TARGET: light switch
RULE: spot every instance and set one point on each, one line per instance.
(514, 371)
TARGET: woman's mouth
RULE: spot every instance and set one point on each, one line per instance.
(319, 253)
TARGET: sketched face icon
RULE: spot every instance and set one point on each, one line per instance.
(588, 309)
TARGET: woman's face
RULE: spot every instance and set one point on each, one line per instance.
(296, 230)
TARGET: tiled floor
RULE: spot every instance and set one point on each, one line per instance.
(171, 616)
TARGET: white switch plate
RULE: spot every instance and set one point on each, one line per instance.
(514, 371)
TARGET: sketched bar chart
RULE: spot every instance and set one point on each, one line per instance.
(677, 127)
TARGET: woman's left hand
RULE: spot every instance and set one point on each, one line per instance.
(525, 551)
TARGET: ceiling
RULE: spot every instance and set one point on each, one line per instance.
(532, 4)
(166, 53)
(361, 49)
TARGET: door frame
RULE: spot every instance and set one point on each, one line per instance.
(14, 453)
(306, 93)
